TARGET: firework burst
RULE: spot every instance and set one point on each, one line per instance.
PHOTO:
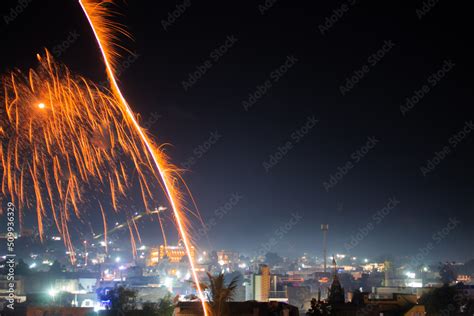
(60, 131)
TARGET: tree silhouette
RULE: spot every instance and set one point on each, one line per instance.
(122, 299)
(164, 307)
(22, 268)
(56, 267)
(441, 301)
(220, 293)
(447, 273)
(273, 258)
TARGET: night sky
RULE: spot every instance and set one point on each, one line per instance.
(331, 82)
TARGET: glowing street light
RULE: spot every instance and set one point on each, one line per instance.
(52, 293)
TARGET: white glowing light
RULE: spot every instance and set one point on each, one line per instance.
(410, 275)
(169, 283)
(52, 292)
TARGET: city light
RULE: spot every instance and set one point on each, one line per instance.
(52, 292)
(415, 284)
(168, 283)
(83, 173)
(410, 275)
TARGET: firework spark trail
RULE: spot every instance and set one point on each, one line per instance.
(97, 15)
(59, 133)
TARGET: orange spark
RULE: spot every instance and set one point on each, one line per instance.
(105, 32)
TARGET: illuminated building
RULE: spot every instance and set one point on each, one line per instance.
(227, 257)
(336, 291)
(261, 284)
(174, 254)
(370, 267)
(464, 278)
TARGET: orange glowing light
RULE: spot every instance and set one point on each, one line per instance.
(89, 137)
(104, 30)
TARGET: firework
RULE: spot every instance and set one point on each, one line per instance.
(59, 132)
(61, 135)
(105, 31)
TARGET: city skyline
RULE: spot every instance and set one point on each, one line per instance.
(314, 143)
(236, 158)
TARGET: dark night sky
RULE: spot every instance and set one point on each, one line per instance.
(234, 164)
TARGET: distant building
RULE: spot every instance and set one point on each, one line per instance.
(174, 254)
(72, 311)
(398, 304)
(5, 289)
(382, 292)
(465, 278)
(261, 284)
(336, 291)
(405, 304)
(227, 257)
(299, 296)
(278, 292)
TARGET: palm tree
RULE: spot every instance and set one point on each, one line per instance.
(220, 294)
